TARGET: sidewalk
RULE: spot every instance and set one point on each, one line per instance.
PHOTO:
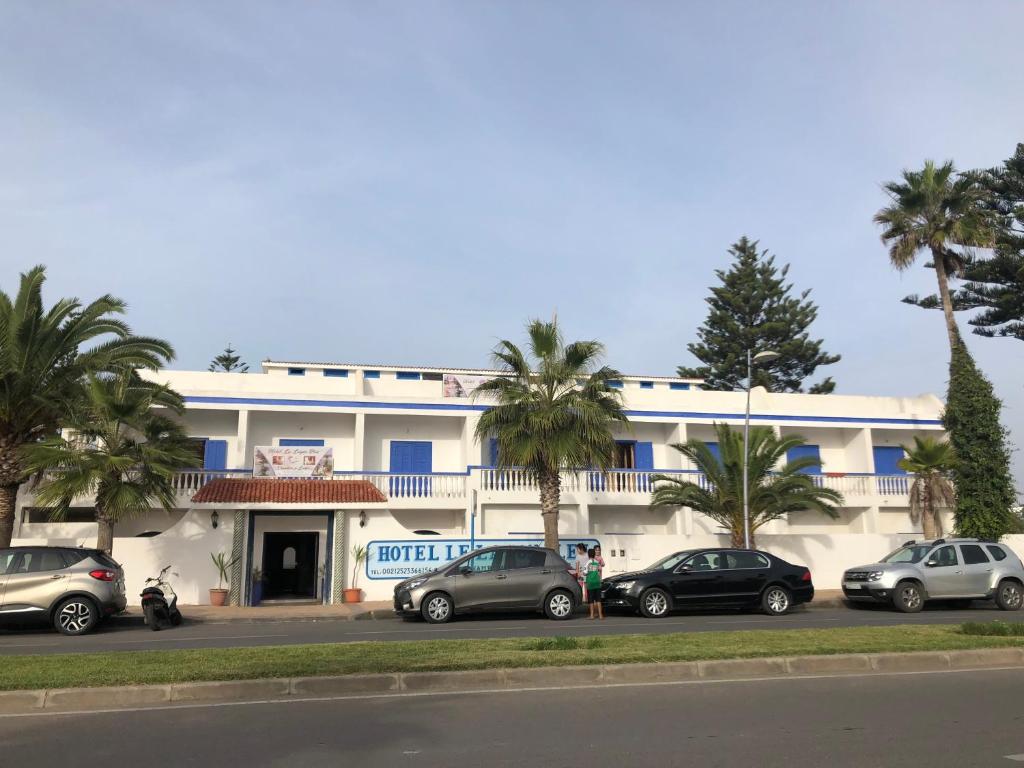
(208, 614)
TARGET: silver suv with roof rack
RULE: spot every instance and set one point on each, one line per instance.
(943, 569)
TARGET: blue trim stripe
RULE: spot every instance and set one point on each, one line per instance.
(479, 408)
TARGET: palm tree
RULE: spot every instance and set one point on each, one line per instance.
(930, 461)
(45, 355)
(773, 492)
(553, 412)
(938, 210)
(122, 446)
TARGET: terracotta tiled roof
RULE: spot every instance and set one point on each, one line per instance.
(280, 491)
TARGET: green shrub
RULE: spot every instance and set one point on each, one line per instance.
(993, 628)
(562, 644)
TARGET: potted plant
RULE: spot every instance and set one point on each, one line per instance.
(257, 586)
(353, 594)
(219, 596)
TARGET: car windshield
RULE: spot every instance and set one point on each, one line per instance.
(911, 554)
(670, 562)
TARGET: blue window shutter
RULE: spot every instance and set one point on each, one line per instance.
(803, 452)
(646, 385)
(643, 456)
(216, 454)
(371, 374)
(614, 384)
(288, 442)
(494, 451)
(336, 373)
(886, 458)
(411, 456)
(296, 371)
(713, 447)
(678, 385)
(407, 376)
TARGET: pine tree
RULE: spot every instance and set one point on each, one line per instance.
(984, 488)
(228, 362)
(995, 285)
(753, 309)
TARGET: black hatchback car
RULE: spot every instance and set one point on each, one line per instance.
(711, 578)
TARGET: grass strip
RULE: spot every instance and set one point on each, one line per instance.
(174, 666)
(993, 628)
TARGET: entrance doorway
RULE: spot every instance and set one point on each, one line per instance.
(290, 565)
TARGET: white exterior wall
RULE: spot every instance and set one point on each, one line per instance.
(359, 418)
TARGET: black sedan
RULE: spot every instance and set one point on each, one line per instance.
(711, 578)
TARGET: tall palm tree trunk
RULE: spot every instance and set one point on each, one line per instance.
(947, 301)
(934, 510)
(927, 509)
(736, 539)
(104, 531)
(8, 498)
(550, 496)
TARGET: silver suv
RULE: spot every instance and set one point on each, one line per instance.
(944, 569)
(492, 579)
(71, 588)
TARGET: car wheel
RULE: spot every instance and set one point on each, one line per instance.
(776, 600)
(76, 616)
(1009, 596)
(559, 605)
(437, 608)
(908, 597)
(654, 603)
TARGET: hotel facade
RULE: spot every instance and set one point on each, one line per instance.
(302, 462)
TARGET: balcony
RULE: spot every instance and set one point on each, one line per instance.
(451, 490)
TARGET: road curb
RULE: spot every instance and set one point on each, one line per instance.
(522, 678)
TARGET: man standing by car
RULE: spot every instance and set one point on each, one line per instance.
(593, 584)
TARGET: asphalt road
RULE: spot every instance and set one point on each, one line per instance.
(896, 721)
(121, 636)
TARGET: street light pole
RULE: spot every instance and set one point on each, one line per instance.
(761, 357)
(746, 448)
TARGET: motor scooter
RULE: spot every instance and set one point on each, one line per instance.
(160, 612)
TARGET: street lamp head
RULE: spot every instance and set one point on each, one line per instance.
(766, 357)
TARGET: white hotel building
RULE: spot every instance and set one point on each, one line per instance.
(411, 481)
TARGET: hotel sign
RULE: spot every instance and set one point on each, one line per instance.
(462, 385)
(401, 558)
(292, 461)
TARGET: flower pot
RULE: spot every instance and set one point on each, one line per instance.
(353, 595)
(218, 597)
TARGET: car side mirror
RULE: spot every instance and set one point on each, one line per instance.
(685, 569)
(932, 563)
(465, 570)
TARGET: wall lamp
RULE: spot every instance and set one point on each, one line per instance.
(214, 519)
(362, 518)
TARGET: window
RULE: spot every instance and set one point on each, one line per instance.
(73, 515)
(484, 562)
(432, 377)
(735, 560)
(973, 554)
(887, 459)
(945, 556)
(705, 561)
(288, 559)
(38, 560)
(998, 553)
(806, 452)
(615, 384)
(296, 371)
(335, 373)
(407, 375)
(678, 385)
(371, 374)
(7, 559)
(646, 385)
(73, 556)
(525, 558)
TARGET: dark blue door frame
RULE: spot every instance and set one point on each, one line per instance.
(328, 578)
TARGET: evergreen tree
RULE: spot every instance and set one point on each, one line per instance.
(753, 309)
(228, 362)
(996, 284)
(984, 488)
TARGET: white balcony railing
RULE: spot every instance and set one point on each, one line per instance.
(612, 483)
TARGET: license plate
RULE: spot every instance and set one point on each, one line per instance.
(855, 586)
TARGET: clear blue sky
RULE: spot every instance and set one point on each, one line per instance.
(408, 182)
